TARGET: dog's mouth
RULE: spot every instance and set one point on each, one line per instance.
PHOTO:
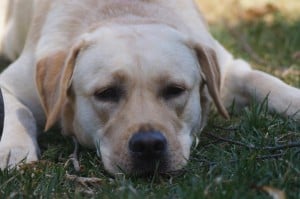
(149, 167)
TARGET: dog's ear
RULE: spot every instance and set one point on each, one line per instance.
(53, 78)
(210, 68)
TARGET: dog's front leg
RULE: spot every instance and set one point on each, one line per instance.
(19, 139)
(242, 84)
(281, 97)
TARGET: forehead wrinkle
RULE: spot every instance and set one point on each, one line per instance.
(167, 77)
(119, 76)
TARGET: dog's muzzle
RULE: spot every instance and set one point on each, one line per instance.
(148, 151)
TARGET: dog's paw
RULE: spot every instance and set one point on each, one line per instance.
(11, 157)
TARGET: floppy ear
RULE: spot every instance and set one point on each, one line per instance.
(53, 77)
(210, 68)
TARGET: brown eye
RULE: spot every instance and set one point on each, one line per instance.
(110, 94)
(172, 91)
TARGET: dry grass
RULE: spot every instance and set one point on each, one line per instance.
(216, 11)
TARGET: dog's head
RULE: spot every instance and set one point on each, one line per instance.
(136, 93)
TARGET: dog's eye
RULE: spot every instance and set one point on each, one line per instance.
(172, 91)
(110, 94)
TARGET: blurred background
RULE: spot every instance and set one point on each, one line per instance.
(264, 32)
(249, 10)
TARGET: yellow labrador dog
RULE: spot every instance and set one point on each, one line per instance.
(133, 79)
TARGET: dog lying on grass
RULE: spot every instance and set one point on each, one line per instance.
(133, 79)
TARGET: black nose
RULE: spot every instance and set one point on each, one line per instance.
(148, 145)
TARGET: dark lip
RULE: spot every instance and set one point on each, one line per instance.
(163, 174)
(146, 167)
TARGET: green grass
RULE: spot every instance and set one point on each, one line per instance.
(230, 160)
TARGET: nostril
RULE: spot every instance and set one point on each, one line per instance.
(137, 146)
(159, 145)
(148, 144)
